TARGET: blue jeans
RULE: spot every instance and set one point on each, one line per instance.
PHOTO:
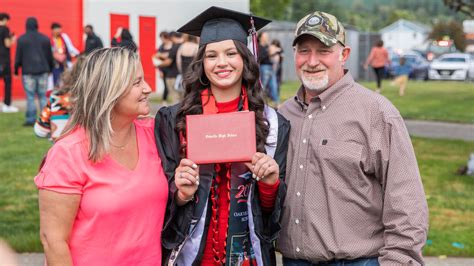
(356, 262)
(34, 85)
(57, 71)
(269, 82)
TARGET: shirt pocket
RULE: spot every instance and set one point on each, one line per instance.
(339, 162)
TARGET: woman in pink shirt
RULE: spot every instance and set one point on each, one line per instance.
(378, 59)
(102, 190)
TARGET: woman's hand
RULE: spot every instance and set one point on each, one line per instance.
(186, 178)
(264, 168)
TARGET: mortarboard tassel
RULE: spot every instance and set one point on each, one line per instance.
(253, 33)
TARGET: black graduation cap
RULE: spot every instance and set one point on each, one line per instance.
(217, 24)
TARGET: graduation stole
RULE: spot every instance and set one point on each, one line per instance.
(238, 249)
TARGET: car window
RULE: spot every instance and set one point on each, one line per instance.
(453, 59)
(441, 49)
(410, 60)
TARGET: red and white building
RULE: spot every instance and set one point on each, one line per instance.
(145, 19)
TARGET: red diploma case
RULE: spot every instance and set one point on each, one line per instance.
(221, 138)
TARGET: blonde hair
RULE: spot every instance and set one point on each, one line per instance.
(106, 75)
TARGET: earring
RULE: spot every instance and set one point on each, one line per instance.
(202, 83)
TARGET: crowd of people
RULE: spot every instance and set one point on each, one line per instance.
(171, 60)
(177, 50)
(333, 179)
(43, 61)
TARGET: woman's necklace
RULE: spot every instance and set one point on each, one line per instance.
(127, 140)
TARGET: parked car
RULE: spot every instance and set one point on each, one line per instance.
(437, 48)
(455, 66)
(418, 64)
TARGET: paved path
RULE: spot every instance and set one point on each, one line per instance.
(431, 129)
(36, 259)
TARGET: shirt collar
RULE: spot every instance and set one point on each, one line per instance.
(299, 98)
(330, 94)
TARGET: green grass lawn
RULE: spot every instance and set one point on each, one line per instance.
(423, 100)
(20, 154)
(450, 197)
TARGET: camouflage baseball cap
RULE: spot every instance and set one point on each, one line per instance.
(323, 26)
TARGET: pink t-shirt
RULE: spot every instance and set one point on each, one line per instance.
(378, 57)
(120, 217)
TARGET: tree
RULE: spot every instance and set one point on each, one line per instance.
(453, 30)
(273, 9)
(303, 8)
(397, 14)
(365, 15)
(463, 6)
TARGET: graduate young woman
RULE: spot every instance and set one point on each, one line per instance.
(222, 213)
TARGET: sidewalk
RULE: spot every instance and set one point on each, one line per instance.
(431, 129)
(36, 259)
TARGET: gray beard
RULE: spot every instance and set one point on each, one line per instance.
(315, 85)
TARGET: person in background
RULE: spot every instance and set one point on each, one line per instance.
(276, 56)
(102, 190)
(7, 39)
(35, 58)
(55, 114)
(267, 75)
(170, 63)
(185, 55)
(378, 59)
(63, 51)
(355, 195)
(92, 41)
(223, 213)
(160, 56)
(177, 38)
(401, 72)
(123, 38)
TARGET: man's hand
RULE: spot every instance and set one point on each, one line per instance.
(264, 168)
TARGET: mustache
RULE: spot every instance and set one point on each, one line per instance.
(313, 69)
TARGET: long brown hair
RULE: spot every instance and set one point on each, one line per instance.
(195, 81)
